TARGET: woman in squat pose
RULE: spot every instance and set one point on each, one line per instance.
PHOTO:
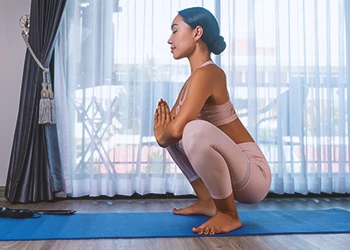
(202, 132)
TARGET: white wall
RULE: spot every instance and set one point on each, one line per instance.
(12, 53)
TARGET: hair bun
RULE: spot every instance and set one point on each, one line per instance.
(218, 45)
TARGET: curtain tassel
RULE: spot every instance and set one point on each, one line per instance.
(47, 108)
(44, 105)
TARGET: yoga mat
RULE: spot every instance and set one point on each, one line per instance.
(166, 224)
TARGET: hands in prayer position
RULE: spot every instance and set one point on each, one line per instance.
(162, 117)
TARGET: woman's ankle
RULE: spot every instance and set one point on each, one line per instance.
(226, 205)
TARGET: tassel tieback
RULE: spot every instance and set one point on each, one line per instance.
(47, 110)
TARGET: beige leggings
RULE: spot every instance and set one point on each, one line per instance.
(206, 152)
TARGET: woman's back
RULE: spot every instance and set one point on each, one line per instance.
(218, 108)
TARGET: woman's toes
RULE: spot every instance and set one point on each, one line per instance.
(199, 230)
(213, 230)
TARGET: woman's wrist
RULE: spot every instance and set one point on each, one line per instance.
(161, 144)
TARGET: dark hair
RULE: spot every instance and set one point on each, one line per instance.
(198, 16)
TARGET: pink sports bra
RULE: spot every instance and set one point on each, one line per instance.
(216, 114)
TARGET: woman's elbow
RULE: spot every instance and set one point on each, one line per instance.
(174, 135)
(177, 134)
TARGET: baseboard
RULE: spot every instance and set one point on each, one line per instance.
(2, 194)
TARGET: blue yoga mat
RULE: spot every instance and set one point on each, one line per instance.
(166, 224)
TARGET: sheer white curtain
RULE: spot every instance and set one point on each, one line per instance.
(287, 65)
(288, 68)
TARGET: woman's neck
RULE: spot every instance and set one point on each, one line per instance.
(197, 60)
(198, 64)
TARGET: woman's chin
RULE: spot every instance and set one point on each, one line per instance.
(177, 57)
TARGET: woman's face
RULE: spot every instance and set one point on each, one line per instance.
(181, 41)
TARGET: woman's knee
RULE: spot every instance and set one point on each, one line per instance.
(195, 135)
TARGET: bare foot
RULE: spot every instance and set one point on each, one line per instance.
(207, 208)
(220, 223)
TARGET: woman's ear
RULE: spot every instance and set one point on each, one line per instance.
(198, 32)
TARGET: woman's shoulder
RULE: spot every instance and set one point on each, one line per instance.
(209, 73)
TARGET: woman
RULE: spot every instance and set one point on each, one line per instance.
(202, 132)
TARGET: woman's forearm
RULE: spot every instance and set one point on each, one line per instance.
(169, 136)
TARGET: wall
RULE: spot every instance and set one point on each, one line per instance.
(12, 53)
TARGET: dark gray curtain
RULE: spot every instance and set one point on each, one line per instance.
(34, 172)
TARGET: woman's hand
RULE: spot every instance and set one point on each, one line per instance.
(162, 117)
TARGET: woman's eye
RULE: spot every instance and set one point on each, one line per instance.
(174, 31)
